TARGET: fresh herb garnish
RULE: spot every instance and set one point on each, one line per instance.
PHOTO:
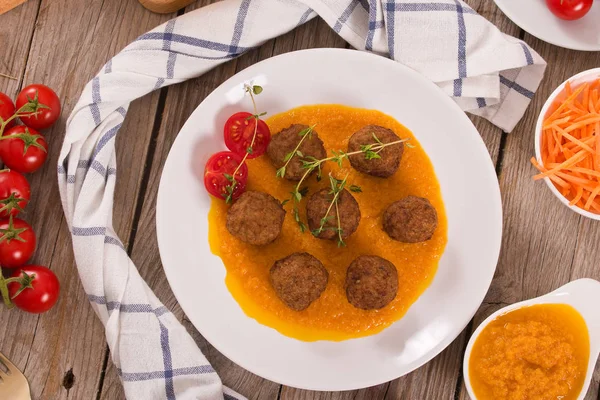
(310, 164)
(337, 186)
(252, 90)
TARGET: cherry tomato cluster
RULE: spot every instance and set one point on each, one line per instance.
(246, 136)
(23, 149)
(569, 9)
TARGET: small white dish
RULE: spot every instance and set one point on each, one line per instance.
(580, 78)
(535, 17)
(469, 188)
(583, 295)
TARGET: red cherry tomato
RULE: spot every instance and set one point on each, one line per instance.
(36, 291)
(27, 152)
(14, 192)
(218, 172)
(7, 109)
(17, 242)
(569, 9)
(239, 130)
(46, 116)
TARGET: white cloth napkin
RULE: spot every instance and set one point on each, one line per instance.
(486, 72)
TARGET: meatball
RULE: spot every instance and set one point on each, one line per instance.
(298, 279)
(318, 204)
(382, 167)
(255, 218)
(286, 141)
(410, 220)
(371, 282)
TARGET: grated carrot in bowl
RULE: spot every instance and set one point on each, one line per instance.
(570, 145)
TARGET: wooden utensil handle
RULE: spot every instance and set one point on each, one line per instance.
(6, 5)
(164, 6)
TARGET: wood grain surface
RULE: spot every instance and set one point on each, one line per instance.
(64, 354)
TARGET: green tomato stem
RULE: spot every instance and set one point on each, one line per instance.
(4, 290)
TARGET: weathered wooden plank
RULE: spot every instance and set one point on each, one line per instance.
(534, 260)
(68, 342)
(16, 31)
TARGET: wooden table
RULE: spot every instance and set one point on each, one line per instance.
(63, 43)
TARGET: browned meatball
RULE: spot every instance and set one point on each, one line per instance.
(382, 167)
(371, 282)
(286, 141)
(298, 279)
(317, 206)
(410, 220)
(255, 218)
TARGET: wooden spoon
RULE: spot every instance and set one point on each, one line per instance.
(6, 5)
(159, 6)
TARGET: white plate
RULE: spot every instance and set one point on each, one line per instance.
(535, 17)
(469, 188)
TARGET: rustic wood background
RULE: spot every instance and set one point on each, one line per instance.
(63, 353)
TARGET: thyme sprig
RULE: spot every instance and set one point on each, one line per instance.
(252, 90)
(337, 186)
(304, 133)
(311, 164)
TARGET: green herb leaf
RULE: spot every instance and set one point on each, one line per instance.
(355, 189)
(288, 156)
(302, 226)
(365, 147)
(376, 138)
(298, 196)
(283, 203)
(410, 145)
(371, 155)
(249, 150)
(257, 89)
(228, 177)
(280, 172)
(299, 153)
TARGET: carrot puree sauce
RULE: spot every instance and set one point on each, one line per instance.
(539, 352)
(331, 317)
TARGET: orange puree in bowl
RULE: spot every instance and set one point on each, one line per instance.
(533, 353)
(331, 317)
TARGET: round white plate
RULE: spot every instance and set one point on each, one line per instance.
(535, 17)
(469, 188)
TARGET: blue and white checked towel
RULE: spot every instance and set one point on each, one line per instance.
(487, 73)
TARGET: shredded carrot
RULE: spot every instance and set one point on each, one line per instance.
(570, 145)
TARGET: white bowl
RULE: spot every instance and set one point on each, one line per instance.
(583, 295)
(535, 17)
(469, 188)
(580, 78)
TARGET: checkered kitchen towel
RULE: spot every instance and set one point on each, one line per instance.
(486, 72)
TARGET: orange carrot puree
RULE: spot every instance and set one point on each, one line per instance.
(331, 317)
(539, 352)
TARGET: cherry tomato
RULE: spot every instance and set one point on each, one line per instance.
(46, 116)
(17, 242)
(7, 109)
(14, 192)
(569, 9)
(27, 152)
(218, 172)
(36, 291)
(239, 130)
